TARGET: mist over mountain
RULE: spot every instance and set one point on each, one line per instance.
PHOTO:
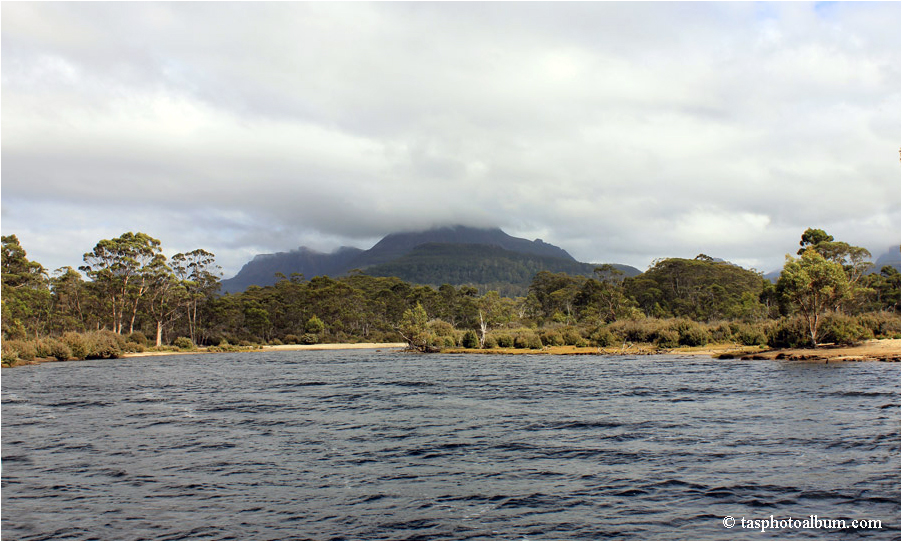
(468, 255)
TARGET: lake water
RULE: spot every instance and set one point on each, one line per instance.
(385, 445)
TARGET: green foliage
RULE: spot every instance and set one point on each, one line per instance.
(751, 334)
(813, 285)
(699, 289)
(77, 344)
(470, 339)
(183, 343)
(505, 341)
(138, 338)
(667, 338)
(314, 325)
(845, 330)
(57, 349)
(788, 332)
(528, 339)
(292, 339)
(103, 345)
(603, 337)
(691, 333)
(18, 349)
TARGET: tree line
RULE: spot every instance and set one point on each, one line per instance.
(127, 291)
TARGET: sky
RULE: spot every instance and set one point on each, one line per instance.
(621, 132)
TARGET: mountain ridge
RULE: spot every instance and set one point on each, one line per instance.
(262, 269)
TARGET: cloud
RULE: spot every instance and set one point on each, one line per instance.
(619, 131)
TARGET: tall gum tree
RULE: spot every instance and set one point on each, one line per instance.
(122, 268)
(813, 285)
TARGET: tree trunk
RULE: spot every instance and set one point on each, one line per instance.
(159, 333)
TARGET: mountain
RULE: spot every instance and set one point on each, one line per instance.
(488, 267)
(262, 269)
(893, 258)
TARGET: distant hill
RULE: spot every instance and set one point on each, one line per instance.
(262, 269)
(893, 258)
(486, 267)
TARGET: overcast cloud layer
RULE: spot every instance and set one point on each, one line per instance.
(622, 132)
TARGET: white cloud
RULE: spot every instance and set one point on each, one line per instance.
(619, 131)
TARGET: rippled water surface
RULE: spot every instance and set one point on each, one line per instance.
(368, 444)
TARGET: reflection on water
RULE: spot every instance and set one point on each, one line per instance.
(366, 444)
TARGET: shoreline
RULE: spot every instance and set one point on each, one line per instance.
(885, 350)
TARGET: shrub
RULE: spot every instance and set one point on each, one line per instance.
(751, 334)
(691, 333)
(881, 324)
(19, 349)
(102, 345)
(448, 342)
(314, 325)
(667, 338)
(133, 347)
(308, 338)
(138, 338)
(842, 329)
(470, 340)
(571, 337)
(723, 333)
(292, 339)
(183, 343)
(58, 350)
(528, 339)
(505, 341)
(42, 348)
(276, 342)
(603, 337)
(490, 342)
(8, 356)
(77, 344)
(552, 338)
(788, 333)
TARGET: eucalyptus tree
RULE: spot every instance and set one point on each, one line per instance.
(813, 285)
(200, 275)
(122, 268)
(25, 294)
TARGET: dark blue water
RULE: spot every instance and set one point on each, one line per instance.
(382, 445)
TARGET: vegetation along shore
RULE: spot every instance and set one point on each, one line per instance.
(129, 299)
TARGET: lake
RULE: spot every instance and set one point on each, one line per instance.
(388, 445)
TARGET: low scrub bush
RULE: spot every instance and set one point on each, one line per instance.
(292, 339)
(691, 333)
(667, 338)
(751, 334)
(552, 338)
(490, 342)
(19, 349)
(58, 349)
(603, 337)
(183, 343)
(788, 333)
(505, 341)
(470, 340)
(723, 333)
(528, 339)
(103, 345)
(138, 338)
(77, 344)
(845, 330)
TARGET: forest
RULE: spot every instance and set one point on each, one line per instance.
(126, 296)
